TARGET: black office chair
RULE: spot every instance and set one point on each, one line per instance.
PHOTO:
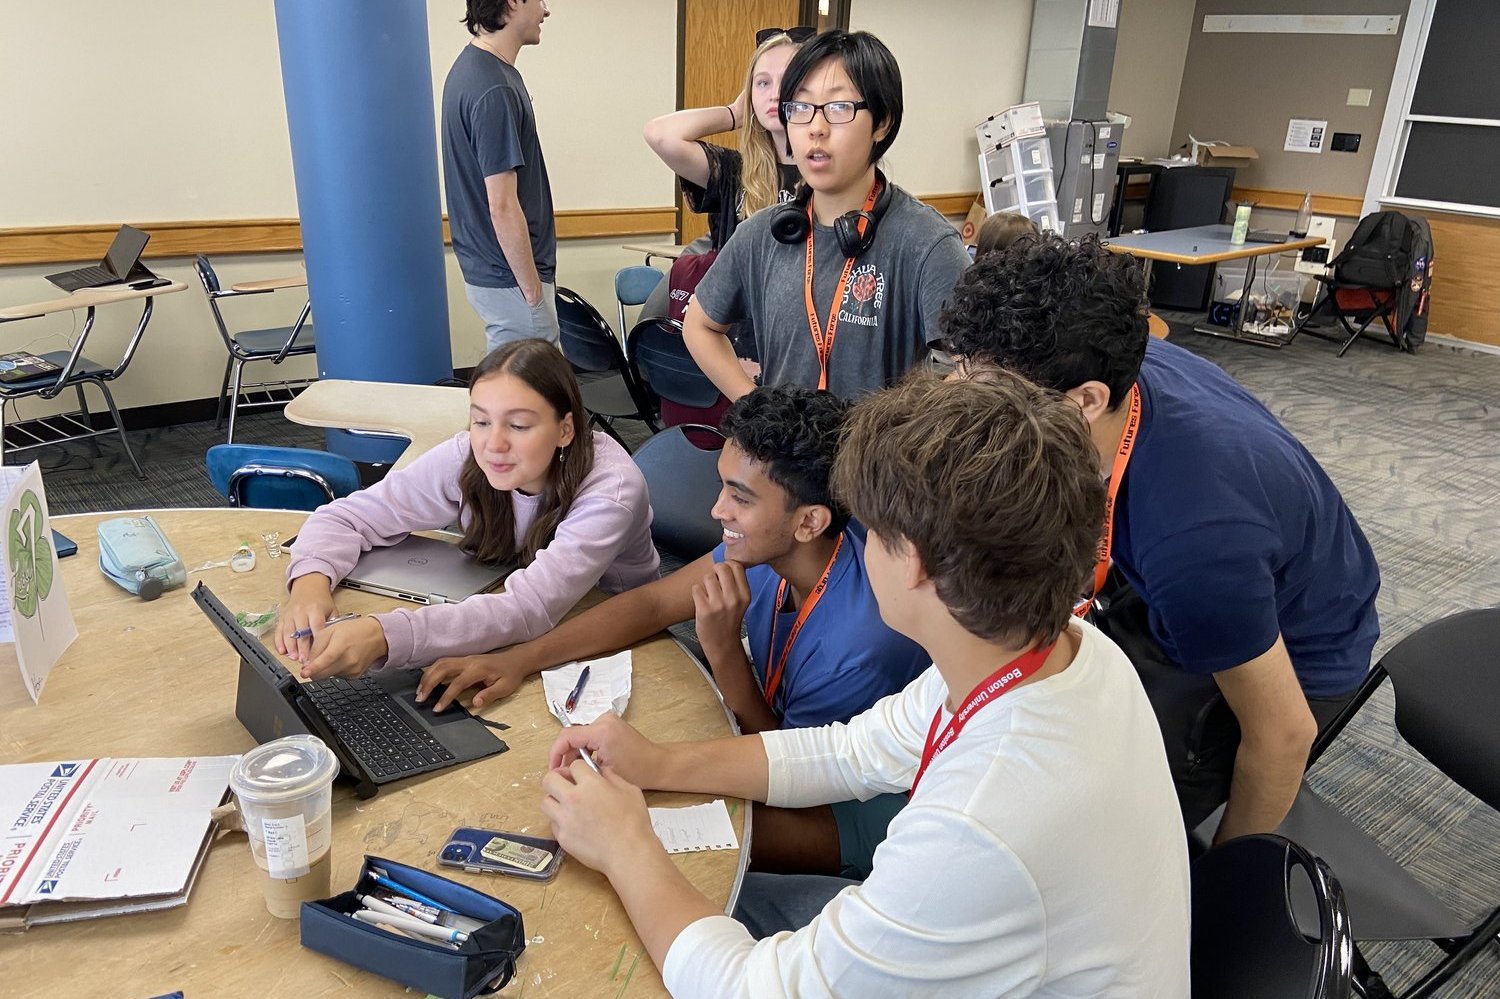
(610, 388)
(275, 345)
(1269, 922)
(656, 349)
(1446, 681)
(683, 480)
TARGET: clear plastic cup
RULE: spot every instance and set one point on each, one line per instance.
(285, 791)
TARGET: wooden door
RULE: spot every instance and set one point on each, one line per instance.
(718, 38)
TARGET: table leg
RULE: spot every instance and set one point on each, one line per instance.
(1237, 331)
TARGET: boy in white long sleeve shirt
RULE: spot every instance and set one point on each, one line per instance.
(1041, 853)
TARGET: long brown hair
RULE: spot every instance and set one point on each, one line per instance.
(490, 534)
(760, 166)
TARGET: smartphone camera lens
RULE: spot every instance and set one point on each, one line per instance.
(456, 852)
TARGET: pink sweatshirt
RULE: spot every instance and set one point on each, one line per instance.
(604, 540)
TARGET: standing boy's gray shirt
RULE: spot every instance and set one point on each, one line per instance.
(888, 315)
(489, 128)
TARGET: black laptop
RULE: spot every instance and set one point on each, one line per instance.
(121, 265)
(373, 723)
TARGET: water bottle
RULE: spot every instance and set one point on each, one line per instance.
(1304, 217)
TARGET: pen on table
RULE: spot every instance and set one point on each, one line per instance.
(307, 632)
(572, 701)
(380, 878)
(409, 925)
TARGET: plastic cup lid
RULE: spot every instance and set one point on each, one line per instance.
(284, 769)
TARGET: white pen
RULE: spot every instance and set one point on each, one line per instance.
(412, 925)
(584, 754)
(376, 904)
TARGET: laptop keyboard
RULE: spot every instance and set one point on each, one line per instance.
(92, 275)
(374, 730)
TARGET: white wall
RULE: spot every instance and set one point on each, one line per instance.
(961, 61)
(1150, 53)
(209, 141)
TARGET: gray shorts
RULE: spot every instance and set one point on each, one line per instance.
(508, 317)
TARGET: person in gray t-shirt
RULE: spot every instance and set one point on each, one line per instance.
(499, 198)
(841, 103)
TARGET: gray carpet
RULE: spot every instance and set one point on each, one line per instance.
(1413, 442)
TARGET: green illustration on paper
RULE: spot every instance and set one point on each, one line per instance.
(29, 552)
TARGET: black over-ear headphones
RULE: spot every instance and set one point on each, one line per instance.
(789, 222)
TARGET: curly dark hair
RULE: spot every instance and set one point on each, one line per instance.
(1061, 312)
(490, 15)
(995, 484)
(793, 432)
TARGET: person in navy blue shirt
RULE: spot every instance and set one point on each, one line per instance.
(1234, 556)
(783, 609)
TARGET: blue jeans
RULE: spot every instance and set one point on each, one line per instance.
(770, 903)
(507, 315)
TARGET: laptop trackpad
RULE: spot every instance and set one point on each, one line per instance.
(401, 684)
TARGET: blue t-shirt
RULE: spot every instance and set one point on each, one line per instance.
(1231, 532)
(845, 658)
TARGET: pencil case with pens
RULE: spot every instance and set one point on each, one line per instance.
(482, 962)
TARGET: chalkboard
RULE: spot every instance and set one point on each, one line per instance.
(1454, 163)
(1457, 78)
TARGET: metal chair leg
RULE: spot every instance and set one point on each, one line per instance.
(88, 419)
(223, 390)
(234, 400)
(114, 412)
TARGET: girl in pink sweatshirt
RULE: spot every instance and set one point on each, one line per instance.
(528, 482)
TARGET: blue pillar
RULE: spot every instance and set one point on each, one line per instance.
(358, 82)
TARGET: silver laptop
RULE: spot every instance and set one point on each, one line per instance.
(424, 571)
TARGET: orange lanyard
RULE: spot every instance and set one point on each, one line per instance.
(821, 342)
(989, 690)
(1116, 476)
(773, 678)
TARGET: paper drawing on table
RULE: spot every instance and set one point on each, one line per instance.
(39, 618)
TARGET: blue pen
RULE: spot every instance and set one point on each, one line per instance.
(380, 878)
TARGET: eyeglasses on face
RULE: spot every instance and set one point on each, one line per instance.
(834, 112)
(798, 34)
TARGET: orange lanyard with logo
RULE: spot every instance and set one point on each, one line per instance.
(823, 343)
(773, 676)
(1116, 476)
(990, 689)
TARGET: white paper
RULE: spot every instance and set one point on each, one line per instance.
(695, 828)
(1104, 13)
(103, 829)
(1304, 135)
(608, 688)
(41, 623)
(286, 846)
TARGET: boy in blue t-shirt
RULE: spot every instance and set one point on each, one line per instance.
(1240, 561)
(783, 609)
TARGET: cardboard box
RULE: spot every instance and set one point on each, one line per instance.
(1016, 122)
(1227, 156)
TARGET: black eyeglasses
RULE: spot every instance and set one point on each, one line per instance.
(798, 34)
(834, 112)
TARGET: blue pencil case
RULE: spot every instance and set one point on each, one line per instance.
(482, 964)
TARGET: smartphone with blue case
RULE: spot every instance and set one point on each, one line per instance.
(467, 849)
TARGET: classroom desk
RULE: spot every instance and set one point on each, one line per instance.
(157, 679)
(1209, 244)
(670, 251)
(426, 415)
(90, 299)
(270, 284)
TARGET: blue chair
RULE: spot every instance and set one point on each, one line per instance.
(279, 478)
(274, 345)
(610, 388)
(633, 285)
(657, 351)
(683, 480)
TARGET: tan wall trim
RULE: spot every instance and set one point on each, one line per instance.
(74, 243)
(1338, 205)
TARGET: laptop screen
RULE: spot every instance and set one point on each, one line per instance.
(125, 251)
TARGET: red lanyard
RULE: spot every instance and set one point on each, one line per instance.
(1116, 476)
(989, 690)
(821, 342)
(773, 677)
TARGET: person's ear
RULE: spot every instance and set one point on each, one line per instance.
(565, 433)
(1091, 397)
(812, 521)
(881, 131)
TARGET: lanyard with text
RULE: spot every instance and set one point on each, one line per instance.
(989, 690)
(1116, 476)
(822, 342)
(773, 677)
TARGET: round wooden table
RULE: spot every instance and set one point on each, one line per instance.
(157, 679)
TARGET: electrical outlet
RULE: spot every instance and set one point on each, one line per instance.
(1359, 97)
(1318, 225)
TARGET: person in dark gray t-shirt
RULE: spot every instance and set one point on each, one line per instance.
(499, 199)
(874, 314)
